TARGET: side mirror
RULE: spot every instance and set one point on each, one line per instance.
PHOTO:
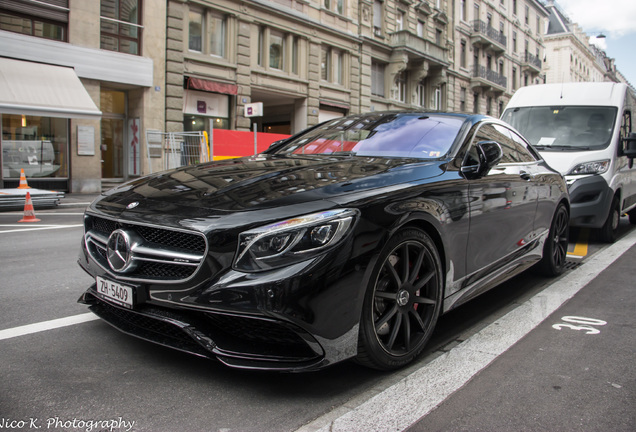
(629, 148)
(489, 153)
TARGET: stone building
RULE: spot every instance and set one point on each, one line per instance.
(498, 47)
(84, 80)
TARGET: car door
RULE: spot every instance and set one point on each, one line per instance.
(503, 204)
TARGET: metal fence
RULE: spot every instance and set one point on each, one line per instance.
(177, 149)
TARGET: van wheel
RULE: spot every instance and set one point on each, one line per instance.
(609, 231)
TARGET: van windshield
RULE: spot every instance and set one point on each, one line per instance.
(569, 128)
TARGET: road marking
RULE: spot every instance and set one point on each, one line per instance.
(36, 227)
(417, 393)
(47, 325)
(580, 248)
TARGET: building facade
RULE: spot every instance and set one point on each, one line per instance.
(195, 65)
(56, 55)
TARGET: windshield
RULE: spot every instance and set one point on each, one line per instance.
(574, 128)
(408, 135)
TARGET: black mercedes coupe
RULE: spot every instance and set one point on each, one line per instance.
(346, 241)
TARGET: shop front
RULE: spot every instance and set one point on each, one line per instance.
(36, 114)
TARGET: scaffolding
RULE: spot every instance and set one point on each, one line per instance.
(177, 149)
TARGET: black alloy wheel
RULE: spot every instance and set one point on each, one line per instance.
(403, 301)
(555, 249)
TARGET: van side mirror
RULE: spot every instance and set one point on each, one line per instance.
(490, 153)
(629, 148)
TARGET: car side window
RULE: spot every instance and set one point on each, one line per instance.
(525, 153)
(491, 132)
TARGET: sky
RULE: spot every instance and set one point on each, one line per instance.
(616, 19)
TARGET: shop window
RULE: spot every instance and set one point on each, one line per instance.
(37, 145)
(47, 19)
(120, 26)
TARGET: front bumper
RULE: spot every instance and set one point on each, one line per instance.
(237, 341)
(590, 200)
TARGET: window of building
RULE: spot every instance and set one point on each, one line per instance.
(207, 32)
(475, 103)
(378, 19)
(120, 26)
(527, 15)
(377, 79)
(420, 94)
(514, 41)
(463, 54)
(421, 25)
(334, 6)
(438, 98)
(325, 64)
(332, 65)
(399, 20)
(462, 10)
(46, 19)
(462, 99)
(276, 50)
(514, 7)
(401, 87)
(514, 78)
(538, 26)
(438, 36)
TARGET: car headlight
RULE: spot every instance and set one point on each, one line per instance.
(293, 240)
(596, 167)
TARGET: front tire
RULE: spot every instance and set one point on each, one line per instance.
(555, 249)
(402, 303)
(609, 231)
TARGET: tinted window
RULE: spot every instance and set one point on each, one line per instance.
(388, 135)
(490, 132)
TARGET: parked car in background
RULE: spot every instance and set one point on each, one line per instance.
(345, 241)
(581, 129)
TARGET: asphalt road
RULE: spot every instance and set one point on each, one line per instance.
(88, 376)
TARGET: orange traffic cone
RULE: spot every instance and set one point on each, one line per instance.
(23, 181)
(29, 212)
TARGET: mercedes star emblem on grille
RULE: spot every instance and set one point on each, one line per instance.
(119, 251)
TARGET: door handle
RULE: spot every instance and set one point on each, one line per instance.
(526, 175)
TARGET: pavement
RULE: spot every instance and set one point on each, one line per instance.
(15, 199)
(564, 360)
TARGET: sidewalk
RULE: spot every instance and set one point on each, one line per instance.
(77, 200)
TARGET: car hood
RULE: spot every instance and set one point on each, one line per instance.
(264, 182)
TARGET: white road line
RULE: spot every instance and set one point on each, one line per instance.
(46, 325)
(417, 394)
(36, 228)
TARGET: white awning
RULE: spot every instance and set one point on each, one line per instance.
(38, 89)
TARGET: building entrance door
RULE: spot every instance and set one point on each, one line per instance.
(113, 107)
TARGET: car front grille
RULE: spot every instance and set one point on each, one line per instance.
(159, 254)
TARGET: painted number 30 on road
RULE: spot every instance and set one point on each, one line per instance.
(580, 324)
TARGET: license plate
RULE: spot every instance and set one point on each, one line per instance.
(115, 292)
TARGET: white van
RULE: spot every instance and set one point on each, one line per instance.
(583, 130)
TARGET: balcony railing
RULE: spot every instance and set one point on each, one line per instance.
(408, 40)
(483, 29)
(490, 76)
(533, 61)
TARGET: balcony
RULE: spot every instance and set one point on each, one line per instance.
(531, 64)
(488, 80)
(419, 48)
(487, 37)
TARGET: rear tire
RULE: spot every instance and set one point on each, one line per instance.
(555, 249)
(609, 231)
(402, 303)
